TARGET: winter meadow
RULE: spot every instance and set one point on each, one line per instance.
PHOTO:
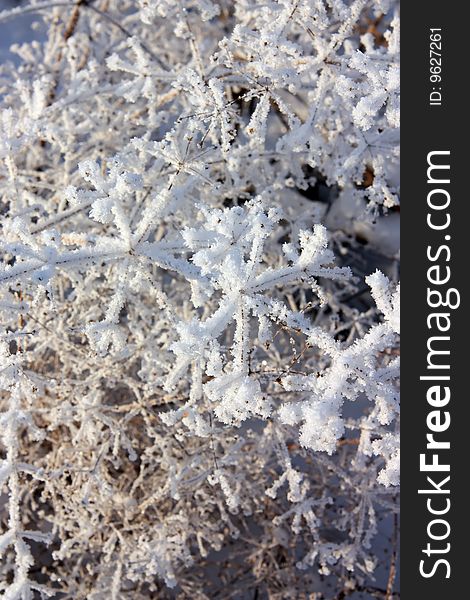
(199, 299)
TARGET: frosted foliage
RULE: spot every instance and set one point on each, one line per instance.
(195, 356)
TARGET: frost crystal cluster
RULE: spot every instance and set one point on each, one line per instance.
(199, 301)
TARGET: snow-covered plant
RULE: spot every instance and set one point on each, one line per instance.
(198, 298)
